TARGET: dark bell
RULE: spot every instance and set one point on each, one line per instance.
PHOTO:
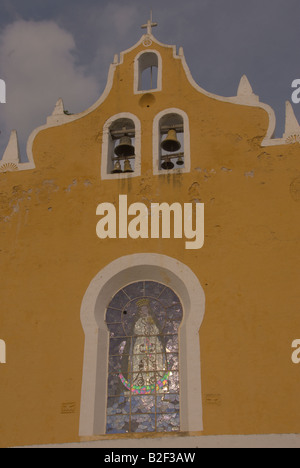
(167, 164)
(117, 169)
(171, 144)
(180, 161)
(125, 147)
(127, 166)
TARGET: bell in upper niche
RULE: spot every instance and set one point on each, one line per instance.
(171, 144)
(125, 147)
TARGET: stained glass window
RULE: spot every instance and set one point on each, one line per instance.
(143, 320)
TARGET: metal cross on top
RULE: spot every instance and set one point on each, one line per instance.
(149, 25)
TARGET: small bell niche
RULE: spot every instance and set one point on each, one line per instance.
(147, 72)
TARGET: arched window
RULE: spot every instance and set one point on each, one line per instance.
(171, 146)
(171, 142)
(121, 147)
(148, 72)
(143, 376)
(148, 66)
(121, 285)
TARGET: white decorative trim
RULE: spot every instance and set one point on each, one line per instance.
(268, 141)
(156, 143)
(140, 42)
(107, 148)
(240, 100)
(245, 92)
(11, 158)
(113, 277)
(58, 114)
(292, 127)
(236, 100)
(62, 119)
(292, 138)
(147, 42)
(138, 72)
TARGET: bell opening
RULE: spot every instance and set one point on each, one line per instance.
(121, 146)
(171, 142)
(167, 164)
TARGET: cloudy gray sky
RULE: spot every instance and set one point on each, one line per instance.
(63, 48)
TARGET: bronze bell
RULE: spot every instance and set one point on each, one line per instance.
(127, 166)
(125, 147)
(180, 161)
(171, 144)
(117, 168)
(167, 164)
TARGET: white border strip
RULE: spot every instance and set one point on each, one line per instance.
(119, 273)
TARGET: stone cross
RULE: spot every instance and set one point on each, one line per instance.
(149, 25)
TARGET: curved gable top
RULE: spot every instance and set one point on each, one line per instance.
(245, 95)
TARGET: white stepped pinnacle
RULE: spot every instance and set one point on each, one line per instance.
(245, 91)
(58, 115)
(12, 152)
(59, 107)
(291, 123)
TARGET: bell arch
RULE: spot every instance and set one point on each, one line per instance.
(123, 271)
(174, 159)
(147, 72)
(117, 128)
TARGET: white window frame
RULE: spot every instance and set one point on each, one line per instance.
(157, 142)
(113, 277)
(107, 145)
(138, 73)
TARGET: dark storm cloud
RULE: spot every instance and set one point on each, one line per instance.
(222, 40)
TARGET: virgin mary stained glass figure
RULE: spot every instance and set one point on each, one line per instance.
(143, 374)
(147, 364)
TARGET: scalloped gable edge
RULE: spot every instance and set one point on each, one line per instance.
(239, 100)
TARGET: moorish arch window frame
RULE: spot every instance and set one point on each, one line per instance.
(143, 319)
(159, 123)
(112, 278)
(108, 145)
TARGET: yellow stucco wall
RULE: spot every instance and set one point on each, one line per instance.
(248, 267)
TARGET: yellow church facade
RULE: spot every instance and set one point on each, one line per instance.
(150, 264)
